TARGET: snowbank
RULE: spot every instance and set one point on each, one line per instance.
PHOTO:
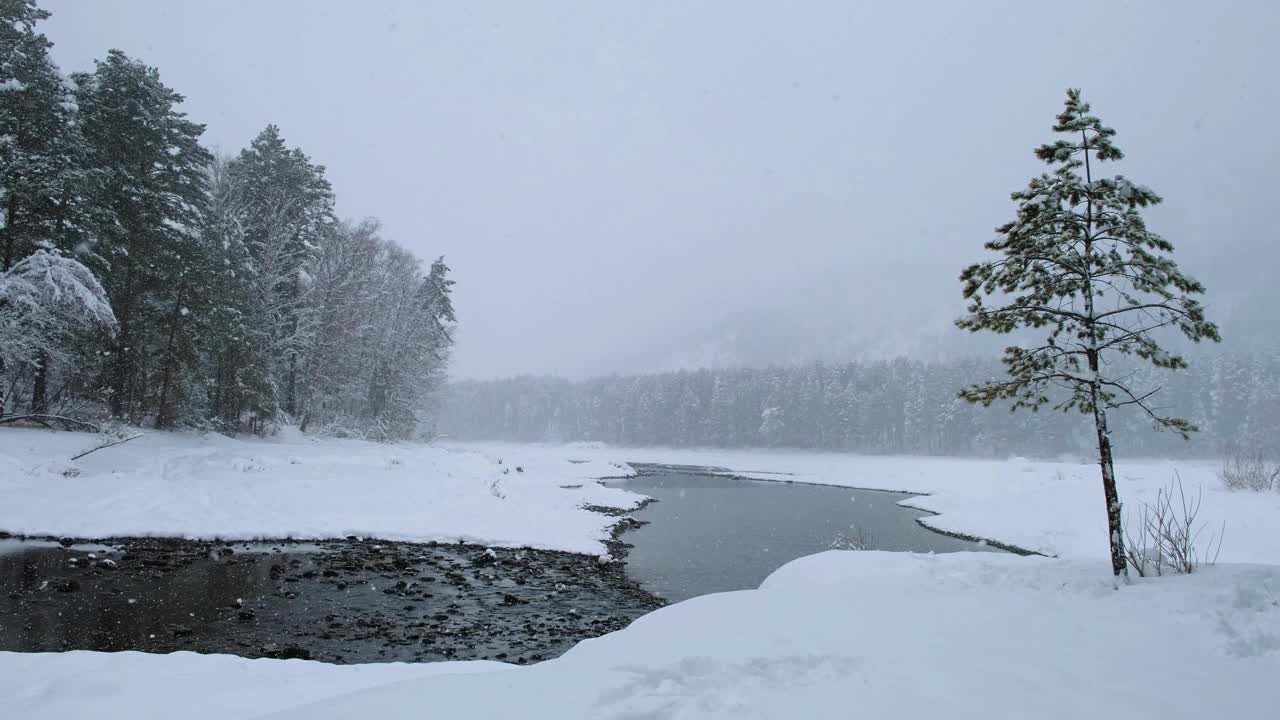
(182, 485)
(1055, 508)
(137, 685)
(838, 635)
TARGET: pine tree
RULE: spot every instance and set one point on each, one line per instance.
(39, 147)
(1080, 262)
(148, 177)
(41, 154)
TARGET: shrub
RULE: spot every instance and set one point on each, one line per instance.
(1250, 470)
(1168, 538)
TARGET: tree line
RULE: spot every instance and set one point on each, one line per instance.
(143, 277)
(894, 406)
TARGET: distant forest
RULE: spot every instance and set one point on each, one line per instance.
(899, 406)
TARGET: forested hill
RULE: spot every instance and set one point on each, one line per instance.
(898, 406)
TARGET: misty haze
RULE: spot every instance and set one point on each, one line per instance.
(806, 359)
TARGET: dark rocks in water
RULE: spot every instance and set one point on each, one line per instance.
(66, 542)
(289, 652)
(347, 603)
(66, 585)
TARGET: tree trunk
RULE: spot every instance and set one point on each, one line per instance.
(120, 367)
(290, 399)
(10, 238)
(1115, 529)
(39, 389)
(163, 417)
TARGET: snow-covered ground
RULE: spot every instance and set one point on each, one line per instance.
(838, 634)
(184, 485)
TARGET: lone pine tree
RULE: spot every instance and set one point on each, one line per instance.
(1080, 263)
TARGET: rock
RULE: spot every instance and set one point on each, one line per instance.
(66, 542)
(246, 616)
(292, 652)
(182, 631)
(106, 564)
(509, 599)
(68, 585)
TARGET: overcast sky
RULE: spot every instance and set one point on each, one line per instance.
(607, 178)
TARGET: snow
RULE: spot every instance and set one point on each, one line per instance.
(835, 635)
(186, 485)
(91, 684)
(839, 634)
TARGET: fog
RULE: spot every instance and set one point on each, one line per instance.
(624, 187)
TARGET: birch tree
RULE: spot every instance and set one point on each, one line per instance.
(1079, 264)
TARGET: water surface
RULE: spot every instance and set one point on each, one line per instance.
(711, 533)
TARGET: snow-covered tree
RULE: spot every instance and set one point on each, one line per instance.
(42, 177)
(1080, 263)
(43, 298)
(287, 206)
